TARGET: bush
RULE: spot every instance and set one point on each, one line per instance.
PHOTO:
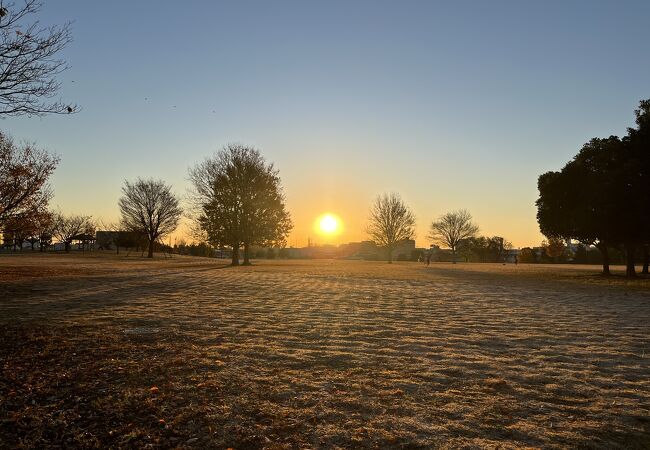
(527, 256)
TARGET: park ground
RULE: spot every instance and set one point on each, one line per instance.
(105, 351)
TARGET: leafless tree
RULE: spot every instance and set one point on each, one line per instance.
(391, 221)
(24, 172)
(451, 228)
(29, 62)
(68, 227)
(149, 207)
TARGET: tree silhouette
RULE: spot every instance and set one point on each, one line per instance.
(238, 201)
(601, 197)
(391, 222)
(554, 247)
(527, 255)
(43, 227)
(36, 226)
(485, 249)
(584, 201)
(639, 141)
(67, 227)
(24, 172)
(149, 207)
(29, 63)
(451, 228)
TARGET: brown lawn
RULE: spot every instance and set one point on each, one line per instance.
(99, 351)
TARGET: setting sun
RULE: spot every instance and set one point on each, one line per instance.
(328, 224)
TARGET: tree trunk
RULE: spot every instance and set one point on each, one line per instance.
(67, 247)
(453, 255)
(390, 255)
(646, 260)
(150, 253)
(235, 256)
(605, 253)
(247, 261)
(630, 271)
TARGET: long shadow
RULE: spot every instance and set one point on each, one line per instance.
(112, 293)
(578, 281)
(628, 438)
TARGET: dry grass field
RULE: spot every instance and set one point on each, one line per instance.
(97, 351)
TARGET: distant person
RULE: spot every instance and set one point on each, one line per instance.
(516, 260)
(428, 258)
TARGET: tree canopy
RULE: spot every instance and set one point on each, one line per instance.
(24, 174)
(67, 228)
(238, 201)
(484, 248)
(601, 197)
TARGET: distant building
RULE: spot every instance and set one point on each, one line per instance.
(111, 240)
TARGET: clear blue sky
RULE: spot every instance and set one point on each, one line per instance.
(452, 104)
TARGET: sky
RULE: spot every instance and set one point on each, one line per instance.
(457, 104)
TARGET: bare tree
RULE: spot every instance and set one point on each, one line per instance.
(24, 172)
(391, 221)
(69, 227)
(29, 63)
(451, 228)
(149, 207)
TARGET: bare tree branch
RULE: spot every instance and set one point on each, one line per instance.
(29, 64)
(391, 221)
(453, 227)
(68, 227)
(149, 207)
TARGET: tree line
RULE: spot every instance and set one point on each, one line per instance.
(391, 221)
(602, 196)
(24, 199)
(236, 201)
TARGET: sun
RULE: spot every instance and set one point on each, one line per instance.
(328, 224)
